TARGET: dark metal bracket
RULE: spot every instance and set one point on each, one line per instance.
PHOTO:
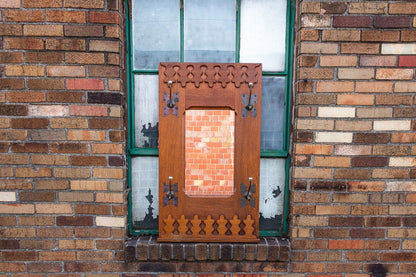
(170, 190)
(170, 99)
(248, 102)
(247, 194)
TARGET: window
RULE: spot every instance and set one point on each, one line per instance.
(226, 31)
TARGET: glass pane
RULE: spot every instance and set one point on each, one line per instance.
(146, 106)
(210, 31)
(272, 188)
(145, 192)
(263, 33)
(156, 32)
(209, 152)
(272, 113)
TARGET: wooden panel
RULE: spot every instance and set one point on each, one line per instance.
(209, 86)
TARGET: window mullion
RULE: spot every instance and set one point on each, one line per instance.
(182, 33)
(237, 31)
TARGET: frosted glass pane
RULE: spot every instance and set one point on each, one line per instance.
(156, 32)
(272, 113)
(272, 187)
(263, 33)
(145, 192)
(146, 111)
(209, 31)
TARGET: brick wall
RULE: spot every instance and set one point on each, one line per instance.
(62, 146)
(354, 155)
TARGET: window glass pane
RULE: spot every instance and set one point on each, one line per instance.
(263, 33)
(146, 106)
(156, 33)
(145, 192)
(272, 187)
(210, 30)
(272, 113)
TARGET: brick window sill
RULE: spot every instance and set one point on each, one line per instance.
(146, 248)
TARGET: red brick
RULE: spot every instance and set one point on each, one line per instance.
(24, 43)
(19, 255)
(352, 21)
(65, 44)
(12, 83)
(399, 257)
(11, 30)
(383, 22)
(355, 99)
(103, 71)
(69, 148)
(66, 97)
(103, 17)
(408, 61)
(369, 161)
(84, 31)
(333, 7)
(44, 57)
(384, 35)
(66, 16)
(346, 244)
(30, 147)
(360, 48)
(408, 35)
(29, 123)
(85, 4)
(23, 15)
(99, 123)
(42, 4)
(85, 84)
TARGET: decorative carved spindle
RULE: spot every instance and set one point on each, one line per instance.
(168, 225)
(169, 73)
(210, 72)
(251, 74)
(221, 225)
(183, 228)
(249, 229)
(223, 76)
(183, 76)
(197, 76)
(196, 228)
(235, 225)
(209, 226)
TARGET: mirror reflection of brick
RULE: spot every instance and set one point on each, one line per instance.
(209, 152)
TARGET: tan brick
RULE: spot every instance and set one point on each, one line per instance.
(68, 123)
(394, 74)
(402, 210)
(344, 125)
(313, 149)
(107, 221)
(116, 186)
(66, 16)
(402, 162)
(6, 172)
(301, 233)
(315, 21)
(402, 8)
(104, 46)
(376, 35)
(332, 210)
(312, 173)
(352, 150)
(108, 173)
(374, 112)
(368, 210)
(338, 61)
(341, 35)
(24, 43)
(401, 185)
(65, 71)
(76, 244)
(318, 48)
(109, 197)
(316, 73)
(405, 87)
(57, 256)
(376, 87)
(105, 148)
(25, 70)
(368, 8)
(23, 16)
(392, 125)
(17, 208)
(13, 30)
(33, 172)
(350, 198)
(335, 137)
(10, 4)
(36, 221)
(398, 48)
(114, 84)
(91, 4)
(54, 208)
(372, 60)
(43, 30)
(355, 73)
(88, 110)
(360, 48)
(18, 232)
(84, 135)
(390, 150)
(314, 124)
(112, 32)
(48, 110)
(116, 112)
(51, 184)
(390, 173)
(311, 7)
(7, 159)
(314, 221)
(88, 185)
(334, 86)
(355, 99)
(84, 58)
(26, 96)
(331, 161)
(72, 173)
(75, 196)
(66, 44)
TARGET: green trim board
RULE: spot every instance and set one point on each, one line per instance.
(134, 151)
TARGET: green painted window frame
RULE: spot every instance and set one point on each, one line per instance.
(133, 151)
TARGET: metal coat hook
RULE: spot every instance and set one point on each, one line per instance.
(170, 194)
(248, 193)
(170, 103)
(250, 106)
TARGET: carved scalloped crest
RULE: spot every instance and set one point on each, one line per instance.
(210, 73)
